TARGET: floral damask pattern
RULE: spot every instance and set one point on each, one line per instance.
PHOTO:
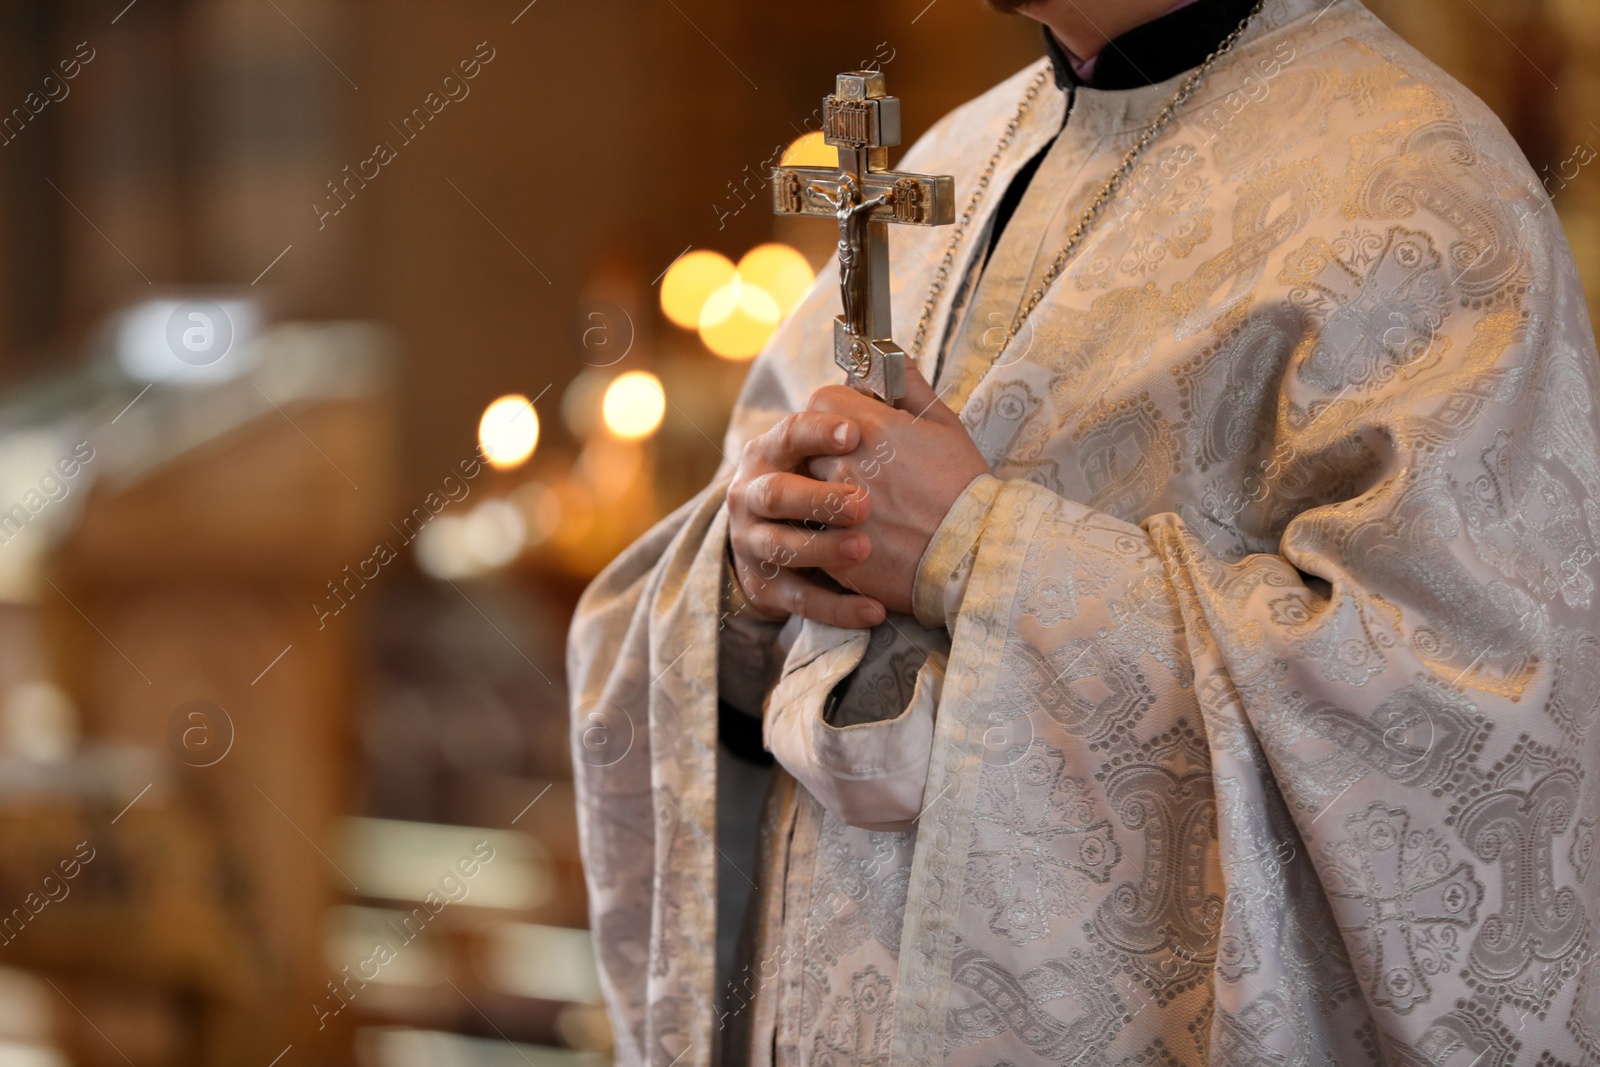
(1515, 820)
(1402, 904)
(1039, 840)
(857, 1032)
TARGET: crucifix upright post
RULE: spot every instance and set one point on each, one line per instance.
(865, 197)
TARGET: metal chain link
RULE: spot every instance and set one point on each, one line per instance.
(1163, 118)
(941, 275)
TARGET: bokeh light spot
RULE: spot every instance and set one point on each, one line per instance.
(634, 404)
(810, 150)
(442, 549)
(738, 319)
(689, 281)
(610, 467)
(495, 533)
(508, 431)
(580, 403)
(781, 272)
(541, 511)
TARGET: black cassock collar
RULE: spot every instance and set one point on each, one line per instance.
(1177, 41)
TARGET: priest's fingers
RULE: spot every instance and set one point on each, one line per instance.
(790, 594)
(841, 400)
(835, 469)
(769, 547)
(799, 437)
(796, 498)
(920, 402)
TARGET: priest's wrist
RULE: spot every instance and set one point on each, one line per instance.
(940, 586)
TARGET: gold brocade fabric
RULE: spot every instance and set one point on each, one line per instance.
(1264, 732)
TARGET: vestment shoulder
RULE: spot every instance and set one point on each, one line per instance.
(1395, 89)
(972, 126)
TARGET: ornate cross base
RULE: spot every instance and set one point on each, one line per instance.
(877, 367)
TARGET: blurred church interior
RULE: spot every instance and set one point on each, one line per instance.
(341, 344)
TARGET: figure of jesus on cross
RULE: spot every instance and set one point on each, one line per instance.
(854, 214)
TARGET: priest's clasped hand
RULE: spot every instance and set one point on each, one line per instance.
(831, 510)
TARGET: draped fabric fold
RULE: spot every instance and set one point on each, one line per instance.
(644, 762)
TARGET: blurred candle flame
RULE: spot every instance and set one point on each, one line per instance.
(736, 309)
(634, 405)
(689, 281)
(509, 431)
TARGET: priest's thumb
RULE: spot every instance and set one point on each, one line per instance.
(923, 402)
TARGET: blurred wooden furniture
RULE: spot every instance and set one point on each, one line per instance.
(193, 578)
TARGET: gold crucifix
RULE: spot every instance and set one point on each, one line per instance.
(862, 121)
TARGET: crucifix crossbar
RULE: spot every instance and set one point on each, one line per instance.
(865, 197)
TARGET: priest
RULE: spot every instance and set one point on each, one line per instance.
(1200, 664)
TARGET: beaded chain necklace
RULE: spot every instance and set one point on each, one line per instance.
(1163, 118)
